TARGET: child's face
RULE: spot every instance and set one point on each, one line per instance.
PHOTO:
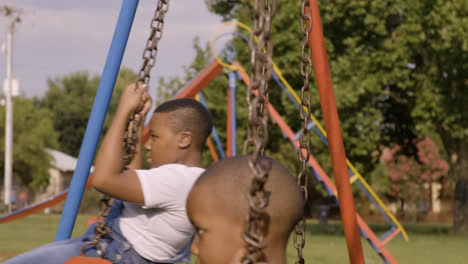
(216, 240)
(162, 145)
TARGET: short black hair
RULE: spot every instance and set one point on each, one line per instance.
(189, 115)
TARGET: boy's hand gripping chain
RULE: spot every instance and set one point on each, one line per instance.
(257, 135)
(149, 60)
(130, 136)
(304, 138)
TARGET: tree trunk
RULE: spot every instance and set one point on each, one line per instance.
(460, 170)
(458, 157)
(431, 206)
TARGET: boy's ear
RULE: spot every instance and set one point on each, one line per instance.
(184, 139)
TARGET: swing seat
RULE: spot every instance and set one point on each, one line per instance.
(94, 219)
(87, 260)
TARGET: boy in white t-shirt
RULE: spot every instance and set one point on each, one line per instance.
(151, 224)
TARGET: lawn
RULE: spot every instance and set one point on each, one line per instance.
(428, 244)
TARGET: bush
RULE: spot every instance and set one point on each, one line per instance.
(91, 202)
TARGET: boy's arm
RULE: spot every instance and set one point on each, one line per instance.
(108, 175)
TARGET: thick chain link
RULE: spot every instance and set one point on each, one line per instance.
(130, 138)
(149, 60)
(257, 134)
(151, 50)
(304, 138)
(101, 229)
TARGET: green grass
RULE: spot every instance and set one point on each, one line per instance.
(420, 249)
(31, 232)
(428, 243)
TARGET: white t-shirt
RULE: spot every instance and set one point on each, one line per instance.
(160, 228)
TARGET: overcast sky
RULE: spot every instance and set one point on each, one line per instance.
(57, 37)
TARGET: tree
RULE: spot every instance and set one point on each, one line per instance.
(412, 177)
(223, 7)
(441, 59)
(33, 131)
(398, 69)
(70, 99)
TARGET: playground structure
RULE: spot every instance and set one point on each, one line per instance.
(344, 170)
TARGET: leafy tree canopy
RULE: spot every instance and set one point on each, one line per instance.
(399, 73)
(32, 132)
(70, 99)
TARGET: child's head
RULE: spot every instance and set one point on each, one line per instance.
(178, 131)
(217, 206)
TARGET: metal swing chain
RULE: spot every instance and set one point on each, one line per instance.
(101, 229)
(130, 138)
(257, 135)
(149, 60)
(151, 50)
(304, 138)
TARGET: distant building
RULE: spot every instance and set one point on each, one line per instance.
(60, 174)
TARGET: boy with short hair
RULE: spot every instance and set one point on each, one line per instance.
(217, 206)
(152, 226)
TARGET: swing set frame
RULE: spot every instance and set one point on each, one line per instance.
(104, 93)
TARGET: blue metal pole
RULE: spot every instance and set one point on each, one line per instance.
(213, 131)
(232, 87)
(96, 119)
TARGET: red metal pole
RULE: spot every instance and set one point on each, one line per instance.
(41, 206)
(214, 155)
(203, 78)
(332, 126)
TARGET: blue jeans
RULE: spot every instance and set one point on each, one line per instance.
(116, 247)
